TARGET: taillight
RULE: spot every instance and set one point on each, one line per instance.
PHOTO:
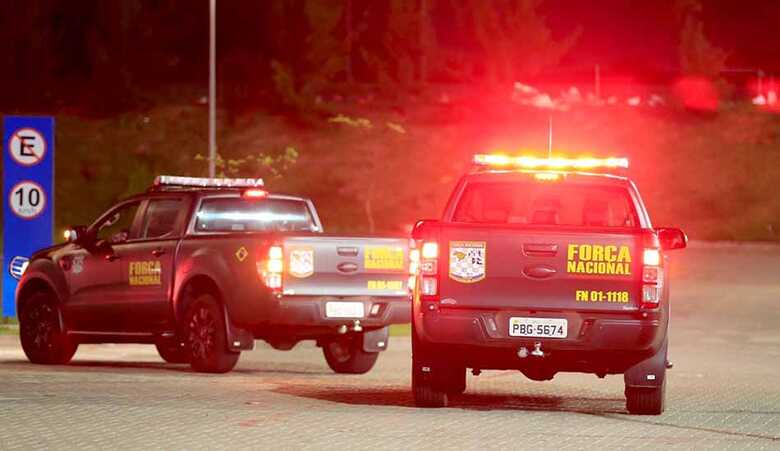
(254, 193)
(414, 267)
(272, 268)
(652, 278)
(429, 270)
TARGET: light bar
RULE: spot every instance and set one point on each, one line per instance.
(500, 160)
(205, 182)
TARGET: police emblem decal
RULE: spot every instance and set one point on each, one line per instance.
(78, 264)
(467, 261)
(301, 262)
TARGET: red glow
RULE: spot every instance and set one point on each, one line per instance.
(528, 162)
(255, 194)
(697, 93)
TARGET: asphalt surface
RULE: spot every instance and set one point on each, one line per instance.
(724, 391)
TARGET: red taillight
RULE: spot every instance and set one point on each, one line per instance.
(255, 194)
(414, 267)
(651, 257)
(652, 278)
(272, 268)
(429, 270)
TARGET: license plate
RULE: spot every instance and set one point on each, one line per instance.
(538, 327)
(344, 310)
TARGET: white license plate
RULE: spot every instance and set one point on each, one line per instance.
(344, 310)
(538, 327)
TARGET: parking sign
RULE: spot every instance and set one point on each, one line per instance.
(28, 196)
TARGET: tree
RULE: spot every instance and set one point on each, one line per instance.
(514, 38)
(698, 56)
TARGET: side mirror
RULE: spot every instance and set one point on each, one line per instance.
(671, 238)
(75, 234)
(423, 228)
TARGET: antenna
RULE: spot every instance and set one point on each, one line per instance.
(549, 138)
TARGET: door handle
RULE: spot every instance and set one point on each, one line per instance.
(540, 250)
(539, 272)
(157, 252)
(112, 257)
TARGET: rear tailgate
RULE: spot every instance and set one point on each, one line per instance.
(495, 267)
(346, 266)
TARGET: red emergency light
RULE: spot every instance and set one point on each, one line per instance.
(497, 160)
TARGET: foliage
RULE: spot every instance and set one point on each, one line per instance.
(262, 165)
(514, 38)
(698, 56)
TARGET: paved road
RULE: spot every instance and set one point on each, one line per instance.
(723, 392)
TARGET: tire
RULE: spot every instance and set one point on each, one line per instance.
(173, 351)
(206, 337)
(40, 331)
(346, 356)
(427, 388)
(646, 401)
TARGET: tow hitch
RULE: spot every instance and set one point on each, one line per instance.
(537, 351)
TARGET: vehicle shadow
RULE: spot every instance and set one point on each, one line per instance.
(402, 397)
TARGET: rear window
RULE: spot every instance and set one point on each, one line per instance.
(234, 214)
(518, 202)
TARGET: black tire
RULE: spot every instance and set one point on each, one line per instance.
(173, 351)
(43, 339)
(645, 400)
(427, 387)
(206, 337)
(346, 355)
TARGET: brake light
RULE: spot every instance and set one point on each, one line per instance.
(547, 176)
(272, 268)
(255, 194)
(429, 270)
(651, 257)
(414, 267)
(430, 250)
(652, 278)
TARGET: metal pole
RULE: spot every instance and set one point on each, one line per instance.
(212, 88)
(549, 139)
(597, 77)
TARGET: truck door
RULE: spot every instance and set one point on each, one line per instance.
(147, 266)
(93, 272)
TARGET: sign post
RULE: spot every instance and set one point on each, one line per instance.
(28, 196)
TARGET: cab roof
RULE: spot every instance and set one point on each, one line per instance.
(548, 176)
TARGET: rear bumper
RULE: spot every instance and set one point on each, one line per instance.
(596, 342)
(309, 312)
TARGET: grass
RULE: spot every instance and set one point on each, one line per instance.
(401, 330)
(9, 330)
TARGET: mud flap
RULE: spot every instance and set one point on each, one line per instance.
(648, 373)
(238, 339)
(376, 340)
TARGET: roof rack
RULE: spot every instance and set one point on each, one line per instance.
(172, 181)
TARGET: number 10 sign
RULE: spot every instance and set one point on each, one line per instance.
(28, 196)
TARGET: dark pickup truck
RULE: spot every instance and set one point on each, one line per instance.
(202, 268)
(542, 266)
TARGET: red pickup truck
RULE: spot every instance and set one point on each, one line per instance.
(543, 266)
